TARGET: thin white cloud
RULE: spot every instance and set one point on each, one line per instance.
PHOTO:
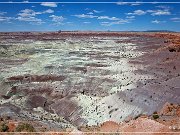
(49, 11)
(85, 16)
(87, 22)
(163, 7)
(86, 9)
(93, 12)
(108, 18)
(90, 13)
(57, 23)
(37, 23)
(115, 19)
(122, 3)
(163, 10)
(96, 11)
(4, 18)
(29, 19)
(57, 18)
(105, 22)
(98, 17)
(126, 3)
(29, 15)
(121, 21)
(159, 12)
(175, 19)
(26, 1)
(30, 12)
(135, 4)
(130, 17)
(137, 12)
(157, 21)
(49, 4)
(2, 13)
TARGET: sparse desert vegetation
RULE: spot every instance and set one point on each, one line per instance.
(76, 81)
(3, 127)
(24, 127)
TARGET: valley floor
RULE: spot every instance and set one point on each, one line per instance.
(89, 81)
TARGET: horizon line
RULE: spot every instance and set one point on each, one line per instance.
(96, 31)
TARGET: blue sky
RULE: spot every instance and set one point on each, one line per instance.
(117, 16)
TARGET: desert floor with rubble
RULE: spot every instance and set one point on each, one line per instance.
(91, 81)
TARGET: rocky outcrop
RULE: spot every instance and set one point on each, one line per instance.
(36, 78)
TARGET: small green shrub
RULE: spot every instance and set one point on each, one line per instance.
(25, 127)
(137, 116)
(3, 127)
(155, 116)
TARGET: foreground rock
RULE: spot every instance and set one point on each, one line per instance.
(147, 124)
